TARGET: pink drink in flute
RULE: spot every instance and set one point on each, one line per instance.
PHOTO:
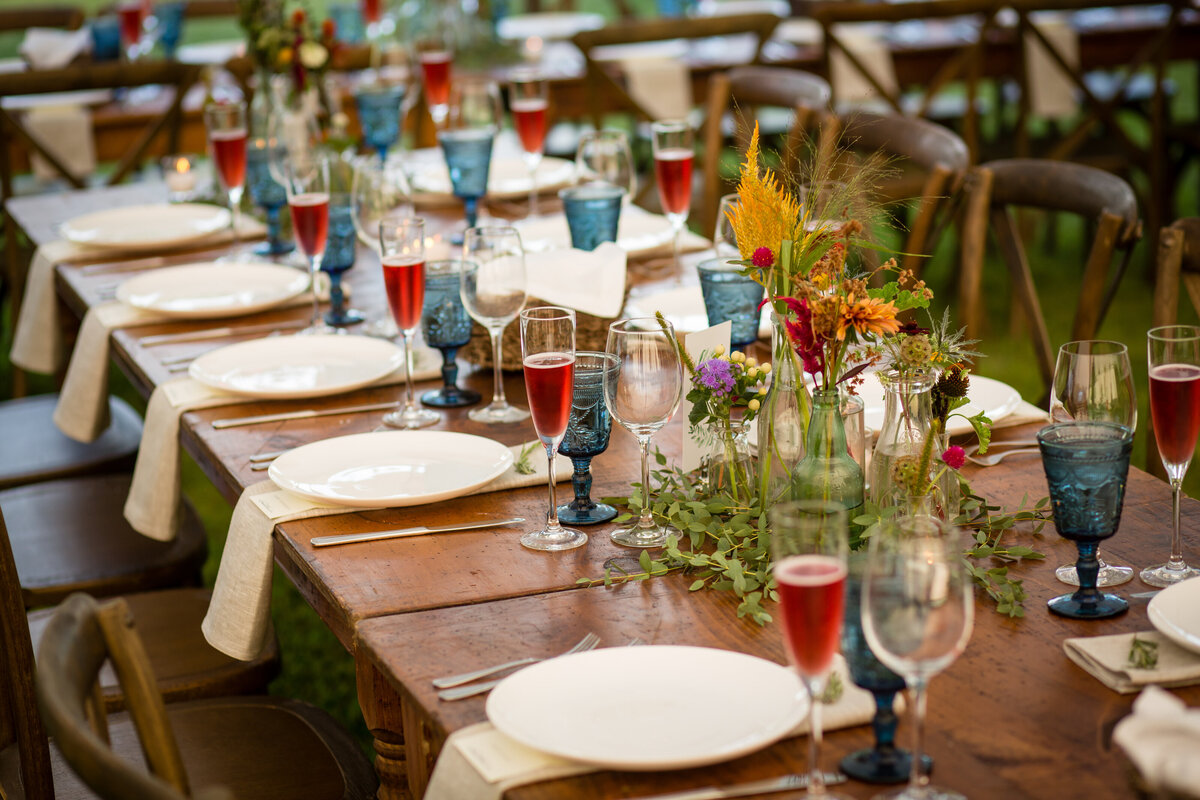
(132, 16)
(529, 116)
(229, 151)
(310, 220)
(529, 98)
(225, 124)
(435, 69)
(404, 282)
(549, 383)
(402, 243)
(673, 153)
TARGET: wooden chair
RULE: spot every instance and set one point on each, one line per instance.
(41, 15)
(253, 747)
(1099, 197)
(742, 91)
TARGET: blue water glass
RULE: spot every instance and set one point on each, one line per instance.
(883, 763)
(730, 295)
(106, 38)
(170, 25)
(675, 8)
(446, 326)
(468, 155)
(341, 246)
(1086, 464)
(587, 436)
(593, 212)
(268, 194)
(379, 115)
(348, 19)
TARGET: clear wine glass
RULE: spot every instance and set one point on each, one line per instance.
(529, 99)
(604, 157)
(306, 181)
(548, 361)
(1093, 382)
(724, 238)
(1174, 352)
(467, 142)
(380, 191)
(809, 547)
(225, 124)
(918, 610)
(493, 292)
(403, 246)
(673, 155)
(642, 394)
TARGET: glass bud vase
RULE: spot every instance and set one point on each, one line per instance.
(728, 468)
(828, 472)
(782, 421)
(907, 423)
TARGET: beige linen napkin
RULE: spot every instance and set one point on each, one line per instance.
(590, 282)
(1106, 658)
(850, 86)
(1051, 90)
(1161, 738)
(236, 622)
(1024, 414)
(662, 86)
(481, 763)
(66, 132)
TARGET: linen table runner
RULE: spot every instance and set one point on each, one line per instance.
(481, 763)
(1106, 658)
(236, 622)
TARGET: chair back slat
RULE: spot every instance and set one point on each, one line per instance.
(41, 15)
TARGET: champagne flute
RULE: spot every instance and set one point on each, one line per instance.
(548, 359)
(132, 14)
(1093, 382)
(809, 547)
(918, 610)
(673, 154)
(225, 124)
(435, 54)
(529, 99)
(306, 181)
(642, 394)
(380, 191)
(467, 142)
(493, 291)
(1174, 352)
(403, 246)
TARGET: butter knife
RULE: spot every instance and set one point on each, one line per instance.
(765, 786)
(237, 422)
(350, 538)
(218, 333)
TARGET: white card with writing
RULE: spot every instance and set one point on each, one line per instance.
(696, 344)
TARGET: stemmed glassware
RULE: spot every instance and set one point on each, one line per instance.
(604, 178)
(1174, 352)
(724, 237)
(379, 191)
(132, 15)
(917, 612)
(809, 547)
(446, 326)
(529, 100)
(604, 157)
(493, 291)
(587, 437)
(379, 113)
(548, 361)
(673, 154)
(306, 180)
(267, 193)
(227, 133)
(467, 142)
(1093, 381)
(403, 245)
(642, 394)
(435, 54)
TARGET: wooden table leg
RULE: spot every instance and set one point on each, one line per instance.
(384, 715)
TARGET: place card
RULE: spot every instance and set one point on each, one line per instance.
(696, 344)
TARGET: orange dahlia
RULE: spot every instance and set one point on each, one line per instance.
(867, 315)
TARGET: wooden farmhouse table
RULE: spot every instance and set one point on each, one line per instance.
(1011, 718)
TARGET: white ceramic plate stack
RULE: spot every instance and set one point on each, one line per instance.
(147, 227)
(208, 291)
(548, 26)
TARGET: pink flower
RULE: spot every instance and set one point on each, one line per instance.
(800, 331)
(954, 457)
(763, 258)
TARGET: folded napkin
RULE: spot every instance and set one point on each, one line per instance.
(639, 232)
(591, 282)
(1051, 90)
(152, 507)
(662, 86)
(52, 48)
(236, 622)
(1106, 658)
(481, 763)
(66, 132)
(1161, 737)
(1024, 414)
(850, 86)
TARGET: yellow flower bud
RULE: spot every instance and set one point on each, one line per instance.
(720, 351)
(766, 368)
(750, 362)
(738, 357)
(753, 405)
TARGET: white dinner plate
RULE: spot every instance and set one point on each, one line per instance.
(548, 26)
(388, 469)
(283, 367)
(207, 291)
(1175, 613)
(637, 232)
(146, 227)
(609, 708)
(997, 399)
(508, 178)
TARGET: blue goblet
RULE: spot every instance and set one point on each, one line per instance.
(348, 19)
(730, 295)
(593, 212)
(883, 763)
(170, 25)
(446, 326)
(341, 246)
(1086, 464)
(379, 115)
(268, 194)
(468, 155)
(106, 38)
(587, 436)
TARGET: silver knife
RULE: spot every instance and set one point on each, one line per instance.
(349, 538)
(237, 422)
(218, 333)
(765, 786)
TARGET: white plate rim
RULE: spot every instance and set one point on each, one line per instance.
(70, 230)
(421, 180)
(298, 284)
(772, 732)
(277, 471)
(1162, 619)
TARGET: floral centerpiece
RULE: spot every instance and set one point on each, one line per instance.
(283, 43)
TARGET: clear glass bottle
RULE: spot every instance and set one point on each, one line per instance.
(728, 468)
(782, 421)
(907, 421)
(828, 472)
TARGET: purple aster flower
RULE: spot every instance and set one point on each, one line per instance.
(716, 375)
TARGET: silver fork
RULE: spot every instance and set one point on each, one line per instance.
(992, 459)
(586, 643)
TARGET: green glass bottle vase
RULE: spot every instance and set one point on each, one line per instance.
(828, 472)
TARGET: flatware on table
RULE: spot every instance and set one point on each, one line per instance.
(781, 784)
(237, 422)
(260, 458)
(420, 530)
(586, 643)
(218, 333)
(992, 459)
(140, 264)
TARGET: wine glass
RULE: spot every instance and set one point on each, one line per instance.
(809, 548)
(917, 614)
(446, 326)
(1174, 352)
(1094, 381)
(642, 394)
(493, 291)
(379, 191)
(673, 154)
(724, 237)
(267, 193)
(467, 142)
(341, 251)
(403, 246)
(529, 99)
(306, 181)
(604, 157)
(435, 54)
(132, 15)
(225, 124)
(587, 437)
(548, 361)
(379, 113)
